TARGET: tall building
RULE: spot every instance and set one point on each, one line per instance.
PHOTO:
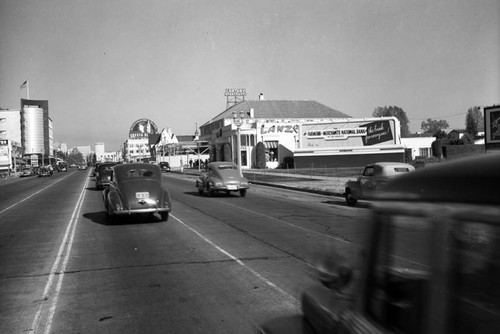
(99, 152)
(36, 127)
(10, 125)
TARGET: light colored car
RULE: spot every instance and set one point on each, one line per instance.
(45, 171)
(136, 188)
(374, 175)
(222, 176)
(27, 171)
(429, 265)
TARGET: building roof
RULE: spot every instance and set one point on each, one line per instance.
(283, 109)
(185, 138)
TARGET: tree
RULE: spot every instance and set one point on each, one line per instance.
(260, 155)
(474, 121)
(433, 126)
(75, 157)
(396, 112)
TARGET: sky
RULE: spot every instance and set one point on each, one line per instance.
(104, 64)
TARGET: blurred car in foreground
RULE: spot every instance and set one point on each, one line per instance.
(430, 265)
(27, 171)
(45, 171)
(222, 177)
(103, 175)
(373, 176)
(137, 188)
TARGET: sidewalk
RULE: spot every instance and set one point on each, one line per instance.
(325, 185)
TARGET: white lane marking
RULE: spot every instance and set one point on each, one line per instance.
(234, 258)
(35, 193)
(65, 246)
(290, 224)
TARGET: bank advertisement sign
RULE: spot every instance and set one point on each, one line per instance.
(348, 134)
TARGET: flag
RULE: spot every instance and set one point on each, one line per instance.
(24, 84)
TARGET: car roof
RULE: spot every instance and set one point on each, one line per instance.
(388, 163)
(123, 168)
(469, 180)
(222, 163)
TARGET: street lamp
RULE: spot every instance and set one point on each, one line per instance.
(238, 121)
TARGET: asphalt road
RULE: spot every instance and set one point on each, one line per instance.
(220, 264)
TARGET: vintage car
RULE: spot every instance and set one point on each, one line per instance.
(222, 176)
(165, 166)
(103, 175)
(430, 263)
(27, 171)
(45, 171)
(136, 188)
(373, 176)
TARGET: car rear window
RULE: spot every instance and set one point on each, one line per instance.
(401, 169)
(139, 172)
(223, 167)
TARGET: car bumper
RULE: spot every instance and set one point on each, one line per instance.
(145, 210)
(230, 187)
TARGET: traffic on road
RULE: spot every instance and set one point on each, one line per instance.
(275, 261)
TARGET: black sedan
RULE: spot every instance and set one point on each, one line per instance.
(136, 188)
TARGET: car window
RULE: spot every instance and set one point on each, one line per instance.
(138, 173)
(399, 277)
(401, 169)
(226, 167)
(369, 171)
(476, 267)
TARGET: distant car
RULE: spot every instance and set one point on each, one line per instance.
(429, 265)
(222, 177)
(137, 188)
(73, 166)
(45, 171)
(103, 175)
(82, 167)
(165, 166)
(373, 176)
(27, 171)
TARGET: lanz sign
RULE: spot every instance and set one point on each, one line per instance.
(235, 92)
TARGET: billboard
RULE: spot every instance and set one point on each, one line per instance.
(142, 128)
(351, 133)
(492, 127)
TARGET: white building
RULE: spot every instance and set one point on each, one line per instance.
(10, 125)
(99, 152)
(419, 144)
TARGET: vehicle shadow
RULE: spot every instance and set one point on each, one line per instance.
(363, 205)
(205, 194)
(102, 219)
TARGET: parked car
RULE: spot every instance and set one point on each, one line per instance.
(165, 166)
(373, 176)
(103, 175)
(45, 171)
(27, 171)
(137, 188)
(222, 177)
(429, 265)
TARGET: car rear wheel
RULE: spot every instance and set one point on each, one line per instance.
(349, 198)
(164, 216)
(110, 217)
(243, 192)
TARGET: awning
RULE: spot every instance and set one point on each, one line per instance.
(271, 144)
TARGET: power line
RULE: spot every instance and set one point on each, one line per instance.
(463, 113)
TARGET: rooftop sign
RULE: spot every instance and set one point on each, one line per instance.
(235, 92)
